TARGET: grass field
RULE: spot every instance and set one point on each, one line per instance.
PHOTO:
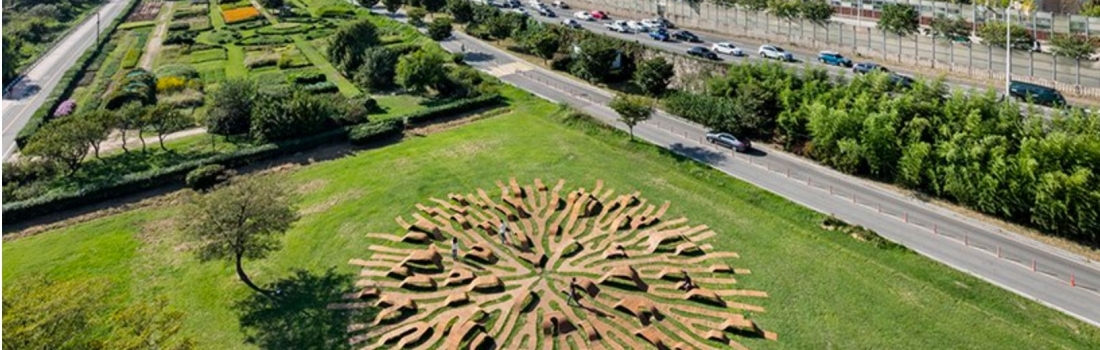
(827, 290)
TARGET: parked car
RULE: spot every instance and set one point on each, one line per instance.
(868, 67)
(637, 26)
(561, 4)
(571, 23)
(1037, 94)
(687, 36)
(618, 26)
(727, 49)
(901, 81)
(584, 16)
(775, 52)
(652, 23)
(729, 141)
(545, 12)
(833, 58)
(664, 23)
(699, 51)
(597, 14)
(660, 34)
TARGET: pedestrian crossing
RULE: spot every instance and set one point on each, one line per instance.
(509, 68)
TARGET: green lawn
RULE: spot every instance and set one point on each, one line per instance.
(346, 87)
(827, 290)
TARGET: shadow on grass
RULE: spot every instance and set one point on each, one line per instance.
(299, 317)
(701, 153)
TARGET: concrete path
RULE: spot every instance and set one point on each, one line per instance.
(152, 48)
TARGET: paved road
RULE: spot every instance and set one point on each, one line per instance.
(804, 58)
(24, 98)
(959, 242)
(847, 33)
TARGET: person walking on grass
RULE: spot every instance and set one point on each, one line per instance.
(574, 298)
(687, 285)
(454, 248)
(503, 233)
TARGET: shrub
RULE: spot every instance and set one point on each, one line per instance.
(416, 16)
(188, 13)
(65, 108)
(440, 29)
(170, 84)
(206, 176)
(402, 49)
(357, 111)
(321, 87)
(266, 40)
(450, 109)
(178, 26)
(284, 29)
(184, 99)
(305, 78)
(280, 117)
(131, 59)
(184, 71)
(370, 132)
(180, 38)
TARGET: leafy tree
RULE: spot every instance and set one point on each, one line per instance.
(131, 117)
(545, 44)
(899, 19)
(163, 119)
(594, 60)
(416, 15)
(1076, 47)
(99, 127)
(433, 6)
(65, 141)
(440, 29)
(392, 5)
(421, 70)
(817, 11)
(277, 117)
(231, 107)
(1091, 9)
(378, 70)
(950, 27)
(10, 58)
(632, 110)
(755, 5)
(368, 3)
(272, 4)
(348, 43)
(993, 34)
(242, 220)
(502, 26)
(653, 76)
(785, 9)
(461, 10)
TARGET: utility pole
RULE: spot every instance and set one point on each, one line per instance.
(1008, 49)
(97, 26)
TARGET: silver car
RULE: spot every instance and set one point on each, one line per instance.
(775, 53)
(729, 141)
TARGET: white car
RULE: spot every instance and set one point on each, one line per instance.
(652, 23)
(584, 16)
(637, 26)
(535, 3)
(727, 49)
(561, 4)
(571, 23)
(775, 52)
(618, 26)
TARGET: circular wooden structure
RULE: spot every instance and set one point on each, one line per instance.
(627, 262)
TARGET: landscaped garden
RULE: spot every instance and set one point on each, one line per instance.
(824, 288)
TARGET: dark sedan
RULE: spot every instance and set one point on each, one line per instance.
(687, 36)
(729, 141)
(867, 67)
(699, 51)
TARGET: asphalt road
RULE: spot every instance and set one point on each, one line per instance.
(1002, 258)
(22, 99)
(803, 58)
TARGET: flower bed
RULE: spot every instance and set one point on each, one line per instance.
(241, 14)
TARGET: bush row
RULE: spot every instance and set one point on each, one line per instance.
(69, 81)
(173, 175)
(131, 59)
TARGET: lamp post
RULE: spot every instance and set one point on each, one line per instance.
(1008, 45)
(97, 26)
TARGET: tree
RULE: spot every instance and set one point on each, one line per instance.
(440, 29)
(348, 43)
(817, 11)
(594, 60)
(632, 110)
(242, 220)
(99, 127)
(368, 3)
(953, 27)
(500, 27)
(277, 117)
(378, 69)
(163, 119)
(272, 4)
(461, 10)
(785, 9)
(653, 76)
(1077, 47)
(231, 107)
(10, 58)
(65, 141)
(899, 19)
(416, 15)
(392, 5)
(433, 6)
(545, 44)
(420, 70)
(993, 34)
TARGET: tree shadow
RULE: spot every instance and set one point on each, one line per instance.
(298, 316)
(695, 152)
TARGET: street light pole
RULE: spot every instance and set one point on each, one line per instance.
(1008, 49)
(97, 26)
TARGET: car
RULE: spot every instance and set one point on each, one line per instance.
(868, 67)
(901, 81)
(775, 52)
(521, 11)
(561, 4)
(729, 141)
(597, 14)
(1037, 94)
(659, 34)
(833, 58)
(618, 26)
(637, 26)
(727, 49)
(652, 23)
(571, 23)
(535, 3)
(664, 22)
(584, 16)
(687, 36)
(547, 13)
(699, 51)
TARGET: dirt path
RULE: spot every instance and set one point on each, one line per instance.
(114, 142)
(152, 47)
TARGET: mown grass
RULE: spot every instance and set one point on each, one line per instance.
(827, 290)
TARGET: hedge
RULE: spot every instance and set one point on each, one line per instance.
(136, 182)
(205, 177)
(69, 81)
(131, 59)
(321, 87)
(306, 78)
